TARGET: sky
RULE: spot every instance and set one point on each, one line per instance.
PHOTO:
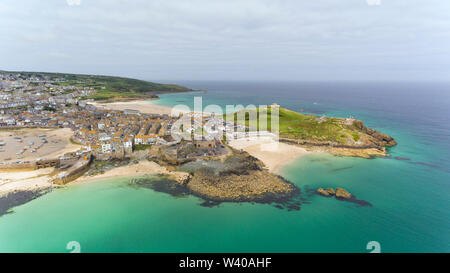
(283, 40)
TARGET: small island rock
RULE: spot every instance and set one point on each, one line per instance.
(341, 193)
(323, 192)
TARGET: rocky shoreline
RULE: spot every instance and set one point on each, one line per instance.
(241, 178)
(370, 142)
(19, 197)
(210, 198)
(364, 151)
(260, 187)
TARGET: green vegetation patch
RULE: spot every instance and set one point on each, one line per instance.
(355, 136)
(142, 147)
(295, 125)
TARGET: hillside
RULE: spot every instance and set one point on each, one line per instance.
(313, 130)
(108, 87)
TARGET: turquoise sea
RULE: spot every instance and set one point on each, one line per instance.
(409, 192)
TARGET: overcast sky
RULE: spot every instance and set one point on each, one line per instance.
(229, 39)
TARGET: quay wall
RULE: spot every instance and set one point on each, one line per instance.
(77, 170)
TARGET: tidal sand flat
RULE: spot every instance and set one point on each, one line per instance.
(30, 144)
(274, 155)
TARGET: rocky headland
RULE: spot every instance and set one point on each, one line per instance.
(356, 140)
(242, 179)
(337, 136)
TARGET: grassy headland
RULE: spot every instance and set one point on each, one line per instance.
(314, 130)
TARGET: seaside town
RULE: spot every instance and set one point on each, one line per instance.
(40, 102)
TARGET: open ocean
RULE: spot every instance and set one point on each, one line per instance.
(409, 193)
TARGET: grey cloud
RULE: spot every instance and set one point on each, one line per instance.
(230, 39)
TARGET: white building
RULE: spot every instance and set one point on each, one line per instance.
(106, 148)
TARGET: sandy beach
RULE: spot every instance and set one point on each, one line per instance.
(274, 155)
(144, 106)
(144, 167)
(25, 180)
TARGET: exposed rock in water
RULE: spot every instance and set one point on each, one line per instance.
(254, 186)
(323, 192)
(364, 153)
(341, 193)
(181, 177)
(242, 180)
(331, 191)
(326, 192)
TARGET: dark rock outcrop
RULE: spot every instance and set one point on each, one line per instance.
(385, 140)
(243, 179)
(380, 138)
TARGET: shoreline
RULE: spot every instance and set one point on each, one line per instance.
(274, 155)
(25, 180)
(132, 170)
(143, 106)
(22, 186)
